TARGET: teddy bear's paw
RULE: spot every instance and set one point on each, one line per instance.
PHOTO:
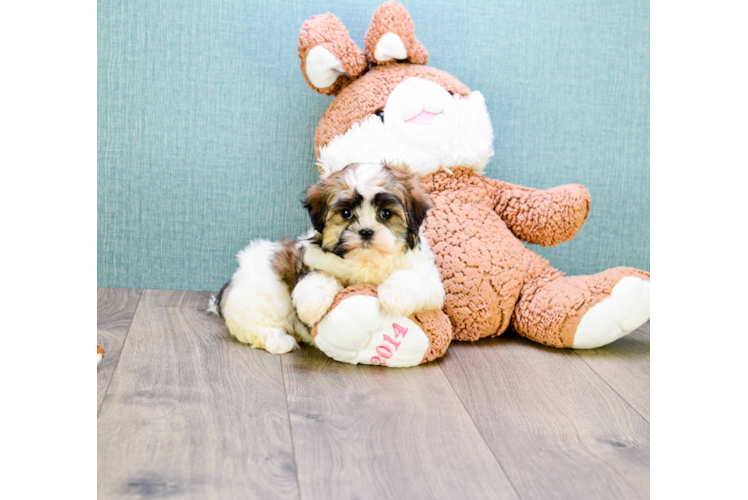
(358, 330)
(625, 310)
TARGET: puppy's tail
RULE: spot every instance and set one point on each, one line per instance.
(214, 304)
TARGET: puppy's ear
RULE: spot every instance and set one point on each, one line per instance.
(417, 201)
(315, 203)
(417, 204)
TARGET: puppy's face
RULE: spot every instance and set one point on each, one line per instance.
(367, 211)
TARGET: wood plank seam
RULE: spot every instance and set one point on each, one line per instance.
(612, 389)
(185, 416)
(116, 364)
(438, 362)
(518, 478)
(290, 427)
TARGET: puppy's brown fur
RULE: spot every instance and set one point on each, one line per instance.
(396, 190)
(288, 263)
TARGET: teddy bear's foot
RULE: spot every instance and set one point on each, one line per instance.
(358, 330)
(581, 312)
(625, 310)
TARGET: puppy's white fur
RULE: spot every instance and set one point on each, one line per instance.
(313, 296)
(408, 281)
(257, 305)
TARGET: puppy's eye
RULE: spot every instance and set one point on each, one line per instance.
(380, 114)
(385, 214)
(346, 213)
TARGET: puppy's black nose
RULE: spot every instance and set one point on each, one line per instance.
(366, 234)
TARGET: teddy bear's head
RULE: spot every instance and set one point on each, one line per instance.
(388, 106)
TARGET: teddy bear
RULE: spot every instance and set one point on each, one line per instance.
(389, 106)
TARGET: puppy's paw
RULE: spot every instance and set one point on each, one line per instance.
(277, 341)
(398, 294)
(397, 302)
(311, 308)
(313, 296)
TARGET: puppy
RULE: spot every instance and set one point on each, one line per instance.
(367, 219)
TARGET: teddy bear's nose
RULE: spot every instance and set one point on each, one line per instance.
(414, 83)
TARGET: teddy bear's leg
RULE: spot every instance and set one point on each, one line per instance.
(357, 330)
(582, 312)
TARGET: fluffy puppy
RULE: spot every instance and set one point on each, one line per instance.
(367, 219)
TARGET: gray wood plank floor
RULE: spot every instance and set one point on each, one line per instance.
(185, 411)
(114, 312)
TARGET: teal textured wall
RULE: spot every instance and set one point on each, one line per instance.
(205, 124)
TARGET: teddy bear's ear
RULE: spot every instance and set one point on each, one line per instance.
(330, 60)
(391, 37)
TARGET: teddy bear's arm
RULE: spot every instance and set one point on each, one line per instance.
(543, 217)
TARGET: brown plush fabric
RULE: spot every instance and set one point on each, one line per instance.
(481, 261)
(435, 324)
(369, 93)
(328, 31)
(437, 327)
(474, 229)
(392, 17)
(545, 217)
(551, 305)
